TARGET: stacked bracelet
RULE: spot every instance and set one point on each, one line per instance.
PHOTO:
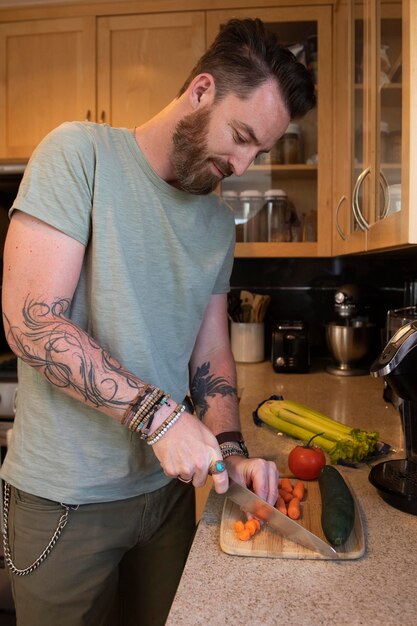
(165, 426)
(140, 415)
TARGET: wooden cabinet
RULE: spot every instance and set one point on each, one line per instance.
(307, 183)
(47, 76)
(376, 133)
(143, 61)
(50, 73)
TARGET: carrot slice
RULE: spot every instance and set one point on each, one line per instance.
(239, 526)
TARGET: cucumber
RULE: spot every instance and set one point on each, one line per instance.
(338, 508)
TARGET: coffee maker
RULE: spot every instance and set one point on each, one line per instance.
(396, 480)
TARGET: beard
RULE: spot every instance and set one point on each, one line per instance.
(190, 156)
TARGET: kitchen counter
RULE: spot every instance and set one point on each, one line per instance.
(380, 587)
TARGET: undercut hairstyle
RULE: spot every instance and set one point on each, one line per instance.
(245, 55)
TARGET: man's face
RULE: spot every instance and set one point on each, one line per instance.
(223, 138)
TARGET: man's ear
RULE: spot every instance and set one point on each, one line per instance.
(201, 90)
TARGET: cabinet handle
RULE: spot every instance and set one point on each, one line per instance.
(386, 193)
(102, 117)
(339, 230)
(88, 116)
(357, 213)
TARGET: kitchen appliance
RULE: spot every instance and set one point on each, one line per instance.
(395, 319)
(396, 480)
(348, 339)
(290, 347)
(251, 503)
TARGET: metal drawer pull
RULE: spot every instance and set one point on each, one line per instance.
(357, 213)
(339, 230)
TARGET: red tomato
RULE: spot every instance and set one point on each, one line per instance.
(306, 462)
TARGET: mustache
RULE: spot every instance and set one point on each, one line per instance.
(223, 166)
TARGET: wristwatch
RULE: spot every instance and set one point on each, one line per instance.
(232, 444)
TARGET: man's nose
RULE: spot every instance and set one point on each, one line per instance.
(240, 163)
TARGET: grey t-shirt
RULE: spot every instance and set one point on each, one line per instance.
(154, 256)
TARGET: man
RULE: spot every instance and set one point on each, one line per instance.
(116, 273)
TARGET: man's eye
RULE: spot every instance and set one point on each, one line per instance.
(240, 138)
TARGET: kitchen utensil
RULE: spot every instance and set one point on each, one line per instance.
(270, 544)
(251, 503)
(396, 480)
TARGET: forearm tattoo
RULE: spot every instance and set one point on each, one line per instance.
(205, 385)
(68, 357)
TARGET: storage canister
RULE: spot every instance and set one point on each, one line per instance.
(277, 214)
(251, 201)
(291, 144)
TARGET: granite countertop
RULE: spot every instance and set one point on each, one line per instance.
(380, 587)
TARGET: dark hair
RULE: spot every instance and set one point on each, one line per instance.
(244, 55)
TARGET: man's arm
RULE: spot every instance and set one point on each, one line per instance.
(214, 392)
(41, 269)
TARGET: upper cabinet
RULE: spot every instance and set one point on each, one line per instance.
(283, 202)
(47, 76)
(375, 133)
(143, 61)
(50, 72)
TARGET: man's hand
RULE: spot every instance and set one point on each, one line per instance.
(259, 475)
(187, 449)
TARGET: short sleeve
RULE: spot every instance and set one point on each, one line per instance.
(58, 183)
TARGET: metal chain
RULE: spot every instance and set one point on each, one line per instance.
(62, 522)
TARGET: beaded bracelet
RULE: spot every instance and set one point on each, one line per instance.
(146, 410)
(166, 425)
(134, 405)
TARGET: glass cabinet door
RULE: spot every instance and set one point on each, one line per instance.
(281, 202)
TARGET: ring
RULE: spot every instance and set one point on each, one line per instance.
(217, 467)
(183, 480)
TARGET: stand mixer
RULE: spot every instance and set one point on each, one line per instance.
(396, 480)
(348, 339)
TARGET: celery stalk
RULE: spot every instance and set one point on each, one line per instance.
(271, 419)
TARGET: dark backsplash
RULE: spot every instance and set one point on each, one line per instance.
(304, 289)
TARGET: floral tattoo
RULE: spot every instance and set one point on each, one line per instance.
(205, 385)
(67, 356)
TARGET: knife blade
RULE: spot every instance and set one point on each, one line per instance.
(288, 528)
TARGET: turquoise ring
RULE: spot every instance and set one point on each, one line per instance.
(217, 467)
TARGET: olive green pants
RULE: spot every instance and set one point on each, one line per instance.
(115, 563)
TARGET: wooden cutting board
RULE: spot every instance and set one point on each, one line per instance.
(268, 543)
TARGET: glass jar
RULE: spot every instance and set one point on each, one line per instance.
(277, 216)
(291, 144)
(251, 201)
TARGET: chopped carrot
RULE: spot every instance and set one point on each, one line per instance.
(239, 526)
(299, 490)
(285, 495)
(280, 505)
(294, 508)
(286, 484)
(244, 535)
(257, 522)
(251, 526)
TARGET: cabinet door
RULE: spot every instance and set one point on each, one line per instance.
(391, 221)
(349, 230)
(378, 116)
(47, 76)
(307, 183)
(143, 61)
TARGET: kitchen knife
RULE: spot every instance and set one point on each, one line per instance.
(288, 528)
